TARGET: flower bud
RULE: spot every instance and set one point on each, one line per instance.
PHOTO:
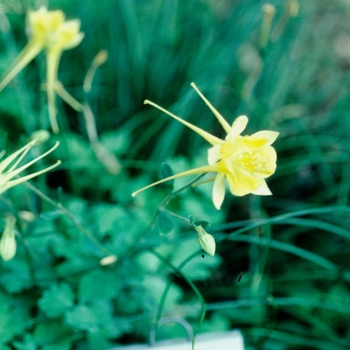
(269, 10)
(293, 8)
(101, 57)
(108, 260)
(206, 240)
(8, 244)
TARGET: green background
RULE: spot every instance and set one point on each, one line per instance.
(292, 248)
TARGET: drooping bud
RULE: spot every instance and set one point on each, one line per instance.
(206, 240)
(8, 244)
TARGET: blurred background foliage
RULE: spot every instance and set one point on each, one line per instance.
(292, 248)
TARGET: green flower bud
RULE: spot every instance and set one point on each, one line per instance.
(206, 240)
(8, 244)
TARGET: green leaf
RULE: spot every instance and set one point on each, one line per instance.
(103, 310)
(98, 340)
(106, 217)
(4, 347)
(28, 343)
(15, 276)
(165, 222)
(96, 318)
(56, 300)
(167, 171)
(52, 333)
(147, 262)
(98, 284)
(13, 320)
(82, 318)
(65, 344)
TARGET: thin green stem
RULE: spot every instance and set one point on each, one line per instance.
(161, 206)
(192, 285)
(179, 217)
(70, 216)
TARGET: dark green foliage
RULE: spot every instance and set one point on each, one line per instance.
(56, 300)
(165, 223)
(280, 272)
(167, 171)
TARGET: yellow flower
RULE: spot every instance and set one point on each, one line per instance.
(50, 32)
(7, 175)
(8, 244)
(67, 36)
(244, 161)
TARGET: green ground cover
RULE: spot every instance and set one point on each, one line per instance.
(281, 269)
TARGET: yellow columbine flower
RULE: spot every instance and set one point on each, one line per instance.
(244, 161)
(7, 175)
(50, 32)
(67, 36)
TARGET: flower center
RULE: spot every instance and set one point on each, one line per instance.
(253, 161)
(240, 155)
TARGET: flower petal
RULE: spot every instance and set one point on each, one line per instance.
(259, 162)
(268, 159)
(219, 190)
(241, 182)
(262, 138)
(237, 127)
(31, 50)
(67, 36)
(42, 22)
(214, 154)
(263, 190)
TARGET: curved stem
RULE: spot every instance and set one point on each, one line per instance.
(167, 288)
(191, 284)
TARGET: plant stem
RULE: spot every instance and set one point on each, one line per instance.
(70, 216)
